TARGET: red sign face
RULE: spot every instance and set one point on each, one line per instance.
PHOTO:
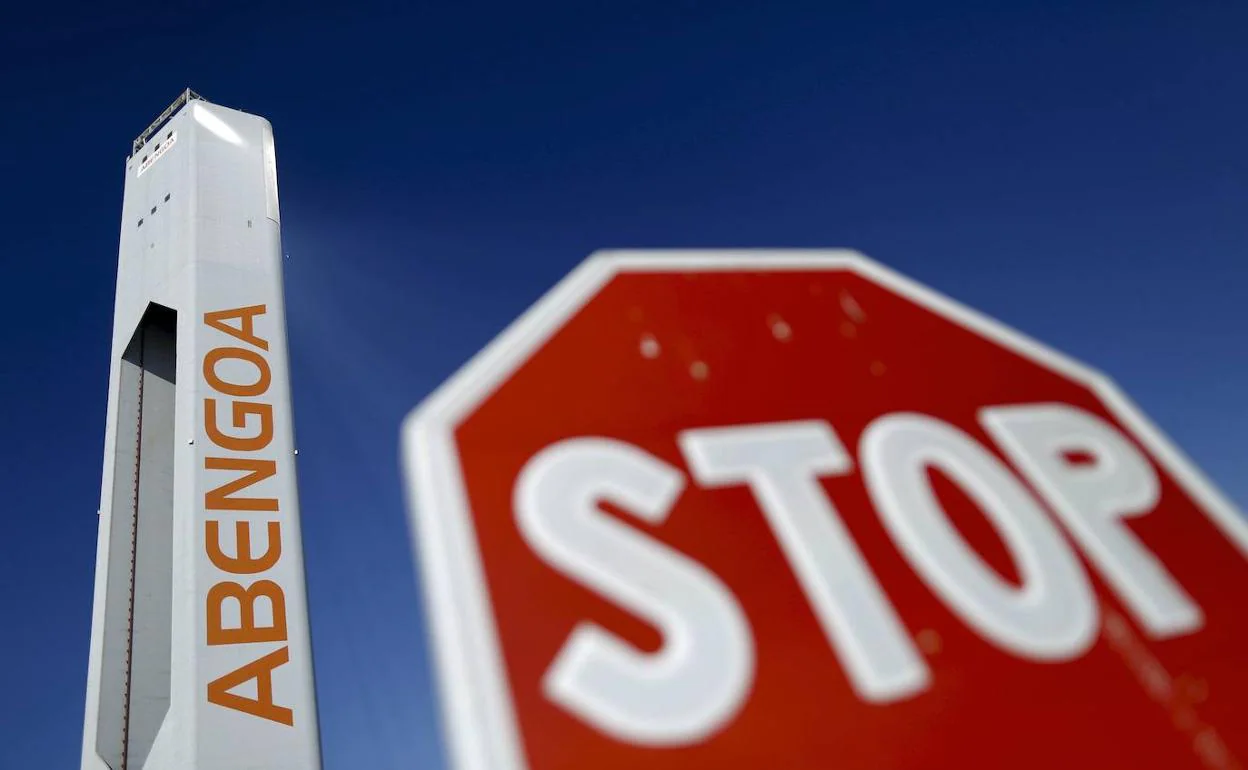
(792, 510)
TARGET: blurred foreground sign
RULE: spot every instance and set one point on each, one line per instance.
(792, 510)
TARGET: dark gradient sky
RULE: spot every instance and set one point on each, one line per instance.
(1078, 172)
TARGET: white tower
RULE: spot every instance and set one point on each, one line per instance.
(200, 657)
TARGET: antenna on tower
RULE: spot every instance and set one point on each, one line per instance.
(183, 98)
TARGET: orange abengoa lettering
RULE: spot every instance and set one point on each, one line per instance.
(261, 670)
(240, 370)
(221, 499)
(247, 630)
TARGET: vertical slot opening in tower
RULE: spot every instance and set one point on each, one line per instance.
(134, 687)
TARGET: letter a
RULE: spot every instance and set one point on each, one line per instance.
(246, 330)
(260, 670)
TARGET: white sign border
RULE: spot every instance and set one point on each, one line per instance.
(480, 722)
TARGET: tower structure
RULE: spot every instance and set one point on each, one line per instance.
(200, 656)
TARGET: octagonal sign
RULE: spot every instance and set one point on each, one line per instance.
(793, 510)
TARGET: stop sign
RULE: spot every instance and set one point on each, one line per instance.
(794, 510)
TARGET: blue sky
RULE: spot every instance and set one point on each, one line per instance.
(1077, 172)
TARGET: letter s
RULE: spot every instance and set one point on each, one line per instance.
(698, 679)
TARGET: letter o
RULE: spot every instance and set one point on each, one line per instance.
(231, 388)
(1053, 616)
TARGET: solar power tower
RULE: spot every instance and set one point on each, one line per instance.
(200, 656)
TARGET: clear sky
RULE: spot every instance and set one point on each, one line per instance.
(1078, 172)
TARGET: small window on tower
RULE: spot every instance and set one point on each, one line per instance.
(169, 135)
(153, 209)
(140, 223)
(167, 197)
